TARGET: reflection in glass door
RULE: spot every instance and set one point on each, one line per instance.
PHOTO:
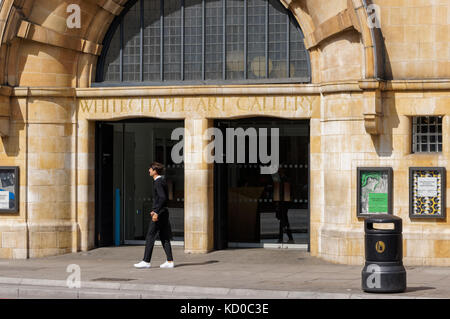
(136, 144)
(265, 209)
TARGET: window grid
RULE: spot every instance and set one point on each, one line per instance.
(297, 55)
(172, 40)
(427, 134)
(214, 40)
(256, 21)
(235, 39)
(152, 41)
(112, 63)
(193, 40)
(196, 40)
(132, 46)
(278, 41)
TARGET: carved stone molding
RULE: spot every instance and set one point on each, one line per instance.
(11, 24)
(343, 21)
(5, 110)
(373, 107)
(109, 5)
(34, 32)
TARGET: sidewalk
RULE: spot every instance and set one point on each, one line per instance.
(234, 273)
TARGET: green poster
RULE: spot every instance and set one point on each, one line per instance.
(378, 203)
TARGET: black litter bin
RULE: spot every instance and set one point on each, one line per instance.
(383, 270)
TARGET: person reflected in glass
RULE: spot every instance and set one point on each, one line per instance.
(282, 202)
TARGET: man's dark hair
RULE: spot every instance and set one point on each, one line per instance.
(158, 167)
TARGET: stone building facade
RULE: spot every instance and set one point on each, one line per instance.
(367, 84)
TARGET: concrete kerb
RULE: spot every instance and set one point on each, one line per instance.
(138, 290)
(154, 288)
(126, 288)
(259, 293)
(202, 290)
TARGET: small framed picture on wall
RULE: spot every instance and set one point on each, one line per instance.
(9, 189)
(374, 187)
(427, 188)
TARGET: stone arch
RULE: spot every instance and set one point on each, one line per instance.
(321, 24)
(326, 27)
(36, 45)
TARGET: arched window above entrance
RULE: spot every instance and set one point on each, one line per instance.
(161, 42)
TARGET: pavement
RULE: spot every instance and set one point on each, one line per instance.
(254, 273)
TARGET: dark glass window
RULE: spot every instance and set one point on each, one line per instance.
(152, 41)
(279, 44)
(235, 31)
(131, 46)
(214, 41)
(164, 41)
(172, 40)
(256, 21)
(193, 33)
(427, 134)
(112, 60)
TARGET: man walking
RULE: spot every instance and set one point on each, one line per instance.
(160, 220)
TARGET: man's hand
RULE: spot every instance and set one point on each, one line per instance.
(154, 216)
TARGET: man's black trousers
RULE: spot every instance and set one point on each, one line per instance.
(162, 226)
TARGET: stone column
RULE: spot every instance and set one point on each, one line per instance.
(51, 170)
(316, 184)
(199, 196)
(86, 184)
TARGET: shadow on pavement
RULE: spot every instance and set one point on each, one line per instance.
(197, 264)
(413, 289)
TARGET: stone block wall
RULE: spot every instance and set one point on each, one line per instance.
(417, 38)
(345, 146)
(42, 144)
(13, 152)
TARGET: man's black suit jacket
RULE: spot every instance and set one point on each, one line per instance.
(160, 196)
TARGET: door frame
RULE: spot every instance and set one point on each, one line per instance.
(99, 204)
(98, 178)
(220, 200)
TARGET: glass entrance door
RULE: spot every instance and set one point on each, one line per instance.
(251, 207)
(135, 145)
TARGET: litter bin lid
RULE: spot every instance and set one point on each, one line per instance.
(383, 219)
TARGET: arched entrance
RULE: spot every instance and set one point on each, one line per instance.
(49, 71)
(207, 42)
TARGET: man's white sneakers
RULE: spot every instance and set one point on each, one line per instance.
(142, 265)
(167, 265)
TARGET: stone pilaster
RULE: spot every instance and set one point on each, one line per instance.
(199, 198)
(86, 184)
(51, 192)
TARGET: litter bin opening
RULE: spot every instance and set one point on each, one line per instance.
(382, 226)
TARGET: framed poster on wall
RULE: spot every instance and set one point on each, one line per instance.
(374, 187)
(427, 188)
(9, 189)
